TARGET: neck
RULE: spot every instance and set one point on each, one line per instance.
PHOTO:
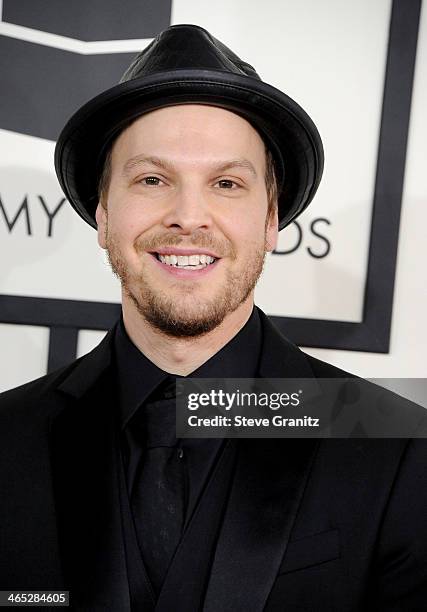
(182, 356)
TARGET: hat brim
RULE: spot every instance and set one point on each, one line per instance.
(293, 138)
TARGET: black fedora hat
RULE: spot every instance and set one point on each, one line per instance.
(186, 64)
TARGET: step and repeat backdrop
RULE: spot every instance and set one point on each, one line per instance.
(347, 279)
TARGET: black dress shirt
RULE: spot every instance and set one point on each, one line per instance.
(142, 386)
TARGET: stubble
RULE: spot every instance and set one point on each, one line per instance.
(179, 312)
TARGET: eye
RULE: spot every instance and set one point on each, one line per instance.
(227, 184)
(151, 181)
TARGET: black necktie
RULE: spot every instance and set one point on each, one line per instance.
(158, 495)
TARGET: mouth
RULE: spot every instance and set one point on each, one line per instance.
(189, 261)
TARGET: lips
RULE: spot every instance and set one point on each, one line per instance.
(190, 251)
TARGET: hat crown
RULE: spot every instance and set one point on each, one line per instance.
(186, 47)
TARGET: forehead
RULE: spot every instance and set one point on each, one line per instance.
(191, 131)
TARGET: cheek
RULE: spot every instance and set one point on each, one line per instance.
(128, 221)
(249, 226)
(121, 239)
(239, 217)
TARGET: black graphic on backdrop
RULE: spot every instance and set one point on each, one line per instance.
(97, 20)
(46, 85)
(43, 86)
(27, 108)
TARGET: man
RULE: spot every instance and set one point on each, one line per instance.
(188, 169)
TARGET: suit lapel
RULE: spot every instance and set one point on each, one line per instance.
(208, 450)
(266, 493)
(85, 468)
(267, 490)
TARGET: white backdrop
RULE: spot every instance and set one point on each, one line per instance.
(330, 57)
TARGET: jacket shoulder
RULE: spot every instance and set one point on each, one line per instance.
(39, 395)
(34, 393)
(323, 369)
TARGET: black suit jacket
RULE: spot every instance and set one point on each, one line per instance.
(330, 525)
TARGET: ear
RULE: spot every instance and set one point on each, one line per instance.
(272, 231)
(101, 220)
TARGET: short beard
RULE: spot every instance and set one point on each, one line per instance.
(163, 312)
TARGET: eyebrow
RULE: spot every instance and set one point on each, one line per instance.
(169, 166)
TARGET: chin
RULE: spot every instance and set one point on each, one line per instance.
(187, 318)
(179, 327)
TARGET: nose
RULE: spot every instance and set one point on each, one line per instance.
(188, 211)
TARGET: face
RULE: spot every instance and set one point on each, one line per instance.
(185, 218)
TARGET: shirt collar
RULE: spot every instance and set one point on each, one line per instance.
(138, 377)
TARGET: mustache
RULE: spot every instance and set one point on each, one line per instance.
(198, 240)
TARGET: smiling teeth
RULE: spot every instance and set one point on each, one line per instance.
(192, 262)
